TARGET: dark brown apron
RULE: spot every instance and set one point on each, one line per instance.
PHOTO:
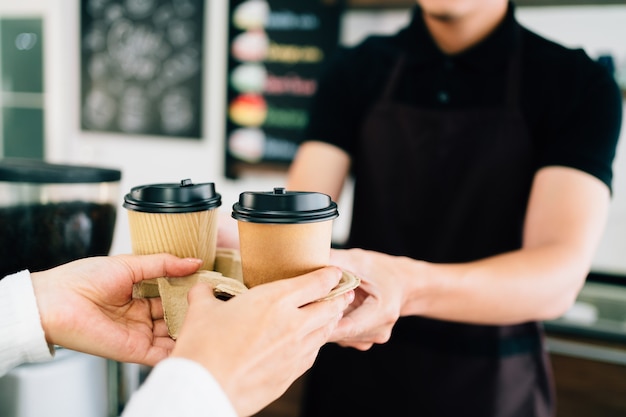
(442, 186)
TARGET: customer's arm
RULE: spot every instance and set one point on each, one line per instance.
(240, 354)
(179, 387)
(87, 305)
(21, 337)
(259, 342)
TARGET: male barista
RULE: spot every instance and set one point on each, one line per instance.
(482, 162)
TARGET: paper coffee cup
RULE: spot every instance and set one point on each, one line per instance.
(283, 234)
(177, 218)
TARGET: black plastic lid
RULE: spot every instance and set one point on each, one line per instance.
(38, 171)
(280, 206)
(183, 197)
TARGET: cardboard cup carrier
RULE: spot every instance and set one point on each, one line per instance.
(282, 234)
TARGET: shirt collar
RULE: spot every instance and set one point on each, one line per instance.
(488, 55)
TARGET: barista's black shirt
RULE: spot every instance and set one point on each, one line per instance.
(572, 109)
(571, 104)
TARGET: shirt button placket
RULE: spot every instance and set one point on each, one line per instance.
(443, 96)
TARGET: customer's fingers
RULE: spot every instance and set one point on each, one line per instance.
(307, 288)
(158, 265)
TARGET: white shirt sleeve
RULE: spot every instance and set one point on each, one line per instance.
(22, 338)
(179, 387)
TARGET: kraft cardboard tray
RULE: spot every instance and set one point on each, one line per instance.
(226, 279)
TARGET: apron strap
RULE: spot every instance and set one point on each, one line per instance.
(390, 86)
(514, 80)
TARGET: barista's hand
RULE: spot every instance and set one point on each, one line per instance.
(378, 300)
(87, 305)
(259, 342)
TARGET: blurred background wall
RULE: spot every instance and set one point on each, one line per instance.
(42, 118)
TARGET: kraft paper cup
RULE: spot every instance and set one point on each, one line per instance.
(283, 234)
(174, 218)
(182, 234)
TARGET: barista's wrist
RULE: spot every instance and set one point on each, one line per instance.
(422, 285)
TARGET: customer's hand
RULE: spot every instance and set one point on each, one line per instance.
(87, 305)
(258, 343)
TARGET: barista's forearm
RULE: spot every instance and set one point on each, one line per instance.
(530, 284)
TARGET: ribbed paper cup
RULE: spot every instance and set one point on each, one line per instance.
(186, 235)
(283, 234)
(180, 219)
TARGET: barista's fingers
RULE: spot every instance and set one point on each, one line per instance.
(358, 346)
(361, 329)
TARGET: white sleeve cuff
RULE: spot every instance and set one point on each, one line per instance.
(22, 338)
(179, 387)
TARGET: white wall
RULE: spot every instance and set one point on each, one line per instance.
(143, 160)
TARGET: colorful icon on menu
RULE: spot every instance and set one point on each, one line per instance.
(247, 144)
(248, 110)
(249, 78)
(251, 14)
(250, 46)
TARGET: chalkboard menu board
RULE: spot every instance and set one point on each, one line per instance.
(276, 51)
(141, 66)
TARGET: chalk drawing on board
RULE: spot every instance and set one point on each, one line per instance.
(141, 66)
